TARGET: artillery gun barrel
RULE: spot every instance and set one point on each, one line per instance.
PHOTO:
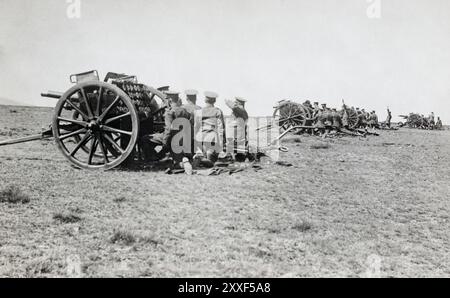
(52, 94)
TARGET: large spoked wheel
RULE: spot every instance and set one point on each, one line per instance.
(290, 115)
(353, 119)
(96, 125)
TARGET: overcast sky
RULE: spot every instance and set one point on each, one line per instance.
(264, 50)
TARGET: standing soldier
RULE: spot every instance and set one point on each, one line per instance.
(191, 102)
(237, 139)
(345, 117)
(337, 120)
(192, 108)
(209, 131)
(389, 119)
(431, 121)
(439, 123)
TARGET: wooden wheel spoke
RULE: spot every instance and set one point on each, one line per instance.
(117, 118)
(85, 117)
(86, 102)
(115, 130)
(75, 133)
(114, 144)
(99, 101)
(83, 141)
(103, 149)
(108, 109)
(78, 122)
(93, 149)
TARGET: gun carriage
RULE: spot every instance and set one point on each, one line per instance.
(100, 124)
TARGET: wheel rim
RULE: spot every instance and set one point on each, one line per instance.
(291, 115)
(96, 138)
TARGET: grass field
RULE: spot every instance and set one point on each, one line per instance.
(352, 208)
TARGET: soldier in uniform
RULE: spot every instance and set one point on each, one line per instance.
(389, 118)
(336, 119)
(345, 117)
(209, 131)
(431, 121)
(192, 108)
(439, 123)
(237, 139)
(176, 118)
(191, 102)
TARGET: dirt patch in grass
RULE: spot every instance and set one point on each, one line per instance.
(123, 237)
(120, 199)
(66, 218)
(320, 146)
(302, 227)
(14, 195)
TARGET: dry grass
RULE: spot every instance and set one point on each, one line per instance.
(14, 195)
(320, 146)
(323, 217)
(66, 218)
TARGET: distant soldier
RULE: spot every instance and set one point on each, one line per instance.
(439, 123)
(322, 117)
(376, 119)
(389, 119)
(307, 104)
(336, 119)
(315, 111)
(345, 117)
(365, 118)
(210, 131)
(237, 138)
(360, 116)
(431, 121)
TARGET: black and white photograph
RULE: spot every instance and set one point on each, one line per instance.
(204, 139)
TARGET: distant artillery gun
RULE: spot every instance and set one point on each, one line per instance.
(417, 121)
(291, 116)
(99, 124)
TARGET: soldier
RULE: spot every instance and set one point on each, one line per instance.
(375, 119)
(389, 119)
(209, 131)
(237, 139)
(439, 123)
(431, 121)
(308, 105)
(192, 108)
(191, 105)
(322, 116)
(176, 118)
(336, 119)
(345, 117)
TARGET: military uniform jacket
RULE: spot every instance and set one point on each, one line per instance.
(210, 125)
(170, 116)
(237, 128)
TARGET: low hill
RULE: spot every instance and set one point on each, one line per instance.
(9, 102)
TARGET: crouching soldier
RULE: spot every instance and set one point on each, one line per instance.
(237, 138)
(177, 136)
(209, 132)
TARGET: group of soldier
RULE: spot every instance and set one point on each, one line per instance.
(324, 118)
(196, 135)
(422, 122)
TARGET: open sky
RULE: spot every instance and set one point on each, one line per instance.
(264, 50)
